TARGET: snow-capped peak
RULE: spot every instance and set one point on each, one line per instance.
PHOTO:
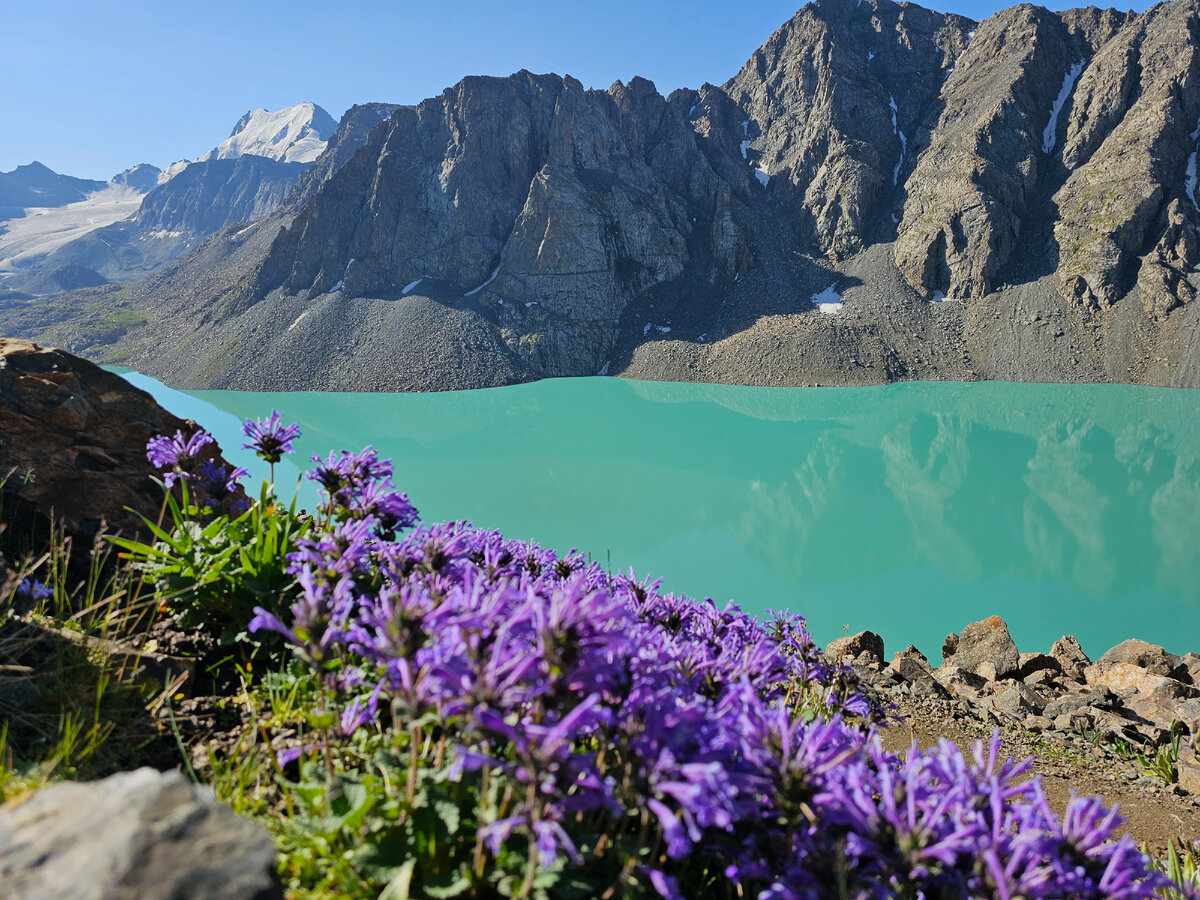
(293, 134)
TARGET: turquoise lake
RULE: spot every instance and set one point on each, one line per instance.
(910, 509)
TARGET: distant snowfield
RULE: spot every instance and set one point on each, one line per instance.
(43, 230)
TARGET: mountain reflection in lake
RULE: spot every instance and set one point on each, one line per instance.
(910, 509)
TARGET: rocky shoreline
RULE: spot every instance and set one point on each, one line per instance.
(1083, 721)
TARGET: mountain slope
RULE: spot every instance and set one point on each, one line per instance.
(243, 179)
(808, 222)
(36, 185)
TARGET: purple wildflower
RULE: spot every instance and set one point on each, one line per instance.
(177, 457)
(269, 437)
(220, 483)
(34, 589)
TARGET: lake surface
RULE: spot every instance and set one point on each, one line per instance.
(910, 509)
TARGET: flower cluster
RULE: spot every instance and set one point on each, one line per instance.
(358, 487)
(679, 738)
(182, 460)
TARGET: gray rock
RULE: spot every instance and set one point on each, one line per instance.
(1038, 662)
(140, 834)
(1020, 700)
(855, 646)
(1047, 678)
(1150, 657)
(1071, 658)
(987, 649)
(960, 683)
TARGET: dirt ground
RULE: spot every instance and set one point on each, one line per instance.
(1155, 813)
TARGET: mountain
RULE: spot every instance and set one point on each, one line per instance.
(243, 179)
(882, 192)
(296, 134)
(36, 185)
(142, 177)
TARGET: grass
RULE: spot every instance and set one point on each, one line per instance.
(65, 685)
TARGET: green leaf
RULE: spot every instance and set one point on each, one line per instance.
(449, 813)
(441, 887)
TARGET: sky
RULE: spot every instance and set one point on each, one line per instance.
(92, 87)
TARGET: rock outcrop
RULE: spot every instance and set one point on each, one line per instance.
(73, 448)
(803, 223)
(142, 834)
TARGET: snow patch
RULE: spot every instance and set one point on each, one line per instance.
(763, 176)
(746, 128)
(172, 170)
(1190, 184)
(828, 301)
(473, 291)
(870, 55)
(604, 368)
(333, 290)
(663, 329)
(970, 34)
(531, 303)
(745, 145)
(940, 297)
(646, 330)
(903, 141)
(1068, 85)
(411, 286)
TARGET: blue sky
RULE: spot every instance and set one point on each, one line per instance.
(94, 86)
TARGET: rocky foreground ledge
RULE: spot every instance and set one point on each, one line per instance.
(1135, 695)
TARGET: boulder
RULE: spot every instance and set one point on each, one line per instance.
(1192, 661)
(854, 646)
(1127, 679)
(74, 438)
(1038, 662)
(1019, 701)
(961, 684)
(1151, 657)
(1046, 678)
(1070, 656)
(141, 834)
(987, 649)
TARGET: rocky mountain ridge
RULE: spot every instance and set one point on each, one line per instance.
(882, 192)
(245, 177)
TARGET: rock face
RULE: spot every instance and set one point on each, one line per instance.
(793, 226)
(73, 437)
(139, 834)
